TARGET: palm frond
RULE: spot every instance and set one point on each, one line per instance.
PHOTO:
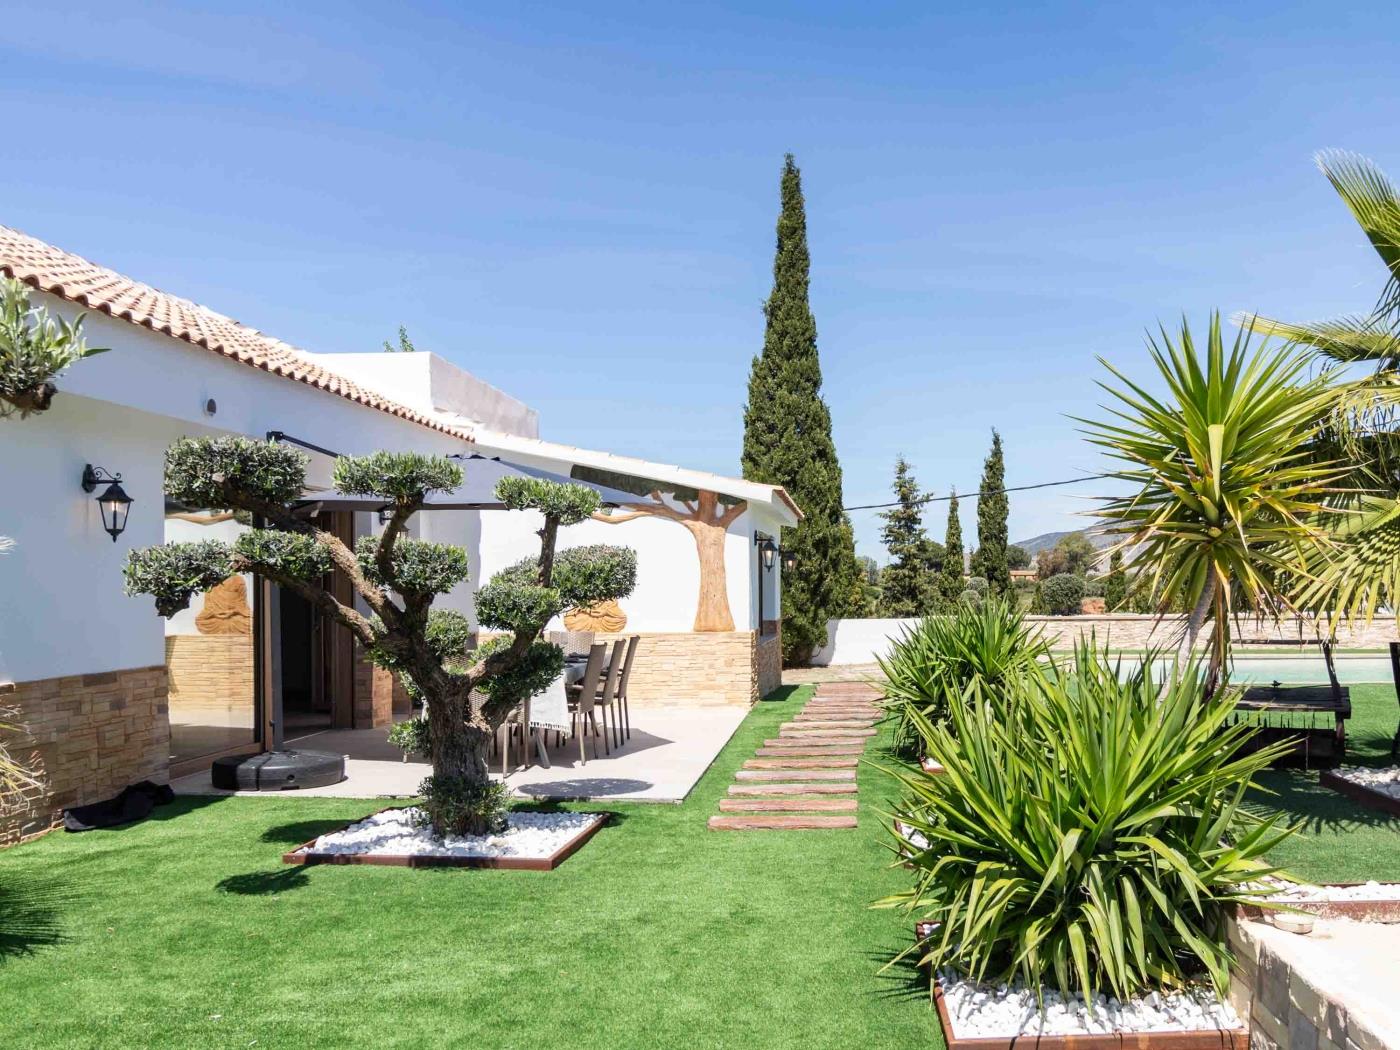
(1375, 204)
(1348, 340)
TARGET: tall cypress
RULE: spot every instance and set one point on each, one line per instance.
(1115, 589)
(908, 586)
(787, 439)
(950, 579)
(993, 508)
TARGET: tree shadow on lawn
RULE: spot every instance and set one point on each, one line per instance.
(902, 979)
(265, 883)
(30, 911)
(1312, 807)
(299, 831)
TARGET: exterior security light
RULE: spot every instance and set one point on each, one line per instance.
(114, 501)
(767, 549)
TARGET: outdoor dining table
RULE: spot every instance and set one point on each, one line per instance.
(550, 709)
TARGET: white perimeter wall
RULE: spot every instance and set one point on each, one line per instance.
(858, 641)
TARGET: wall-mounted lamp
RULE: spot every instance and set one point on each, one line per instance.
(789, 560)
(767, 549)
(114, 501)
(385, 513)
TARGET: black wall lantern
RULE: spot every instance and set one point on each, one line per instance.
(789, 560)
(767, 549)
(114, 501)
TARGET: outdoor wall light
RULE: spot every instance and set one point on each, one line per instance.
(789, 560)
(767, 549)
(114, 501)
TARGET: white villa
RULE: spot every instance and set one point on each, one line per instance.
(111, 694)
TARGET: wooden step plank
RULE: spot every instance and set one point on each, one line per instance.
(850, 736)
(795, 774)
(866, 718)
(828, 724)
(780, 822)
(790, 750)
(817, 741)
(787, 805)
(793, 789)
(824, 762)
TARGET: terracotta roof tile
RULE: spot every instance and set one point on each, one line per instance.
(98, 288)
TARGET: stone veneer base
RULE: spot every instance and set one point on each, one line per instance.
(87, 737)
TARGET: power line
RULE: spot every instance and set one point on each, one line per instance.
(989, 492)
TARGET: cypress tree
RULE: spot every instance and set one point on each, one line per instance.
(1115, 588)
(787, 439)
(990, 559)
(907, 585)
(950, 580)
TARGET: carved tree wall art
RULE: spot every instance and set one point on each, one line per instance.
(707, 516)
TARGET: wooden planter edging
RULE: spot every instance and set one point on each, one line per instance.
(1204, 1039)
(418, 860)
(1358, 911)
(1368, 797)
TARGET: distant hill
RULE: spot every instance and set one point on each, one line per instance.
(1046, 540)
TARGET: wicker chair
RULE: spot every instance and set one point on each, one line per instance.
(584, 696)
(574, 643)
(626, 711)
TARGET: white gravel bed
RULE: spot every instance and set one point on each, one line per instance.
(978, 1011)
(1366, 891)
(1386, 781)
(393, 833)
(911, 835)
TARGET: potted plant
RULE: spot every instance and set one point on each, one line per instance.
(35, 349)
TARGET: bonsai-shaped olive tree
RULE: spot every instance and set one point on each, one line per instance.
(466, 696)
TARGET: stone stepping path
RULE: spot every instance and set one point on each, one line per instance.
(789, 784)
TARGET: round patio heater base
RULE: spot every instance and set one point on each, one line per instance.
(277, 771)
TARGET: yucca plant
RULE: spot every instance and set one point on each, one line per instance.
(1088, 831)
(1226, 487)
(933, 662)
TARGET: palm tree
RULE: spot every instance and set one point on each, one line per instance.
(1226, 488)
(1358, 569)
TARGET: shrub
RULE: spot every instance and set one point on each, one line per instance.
(971, 598)
(449, 633)
(417, 566)
(933, 663)
(173, 573)
(454, 805)
(293, 553)
(1087, 831)
(35, 349)
(206, 472)
(583, 576)
(978, 584)
(413, 737)
(1062, 594)
(542, 664)
(516, 606)
(571, 504)
(400, 477)
(1094, 587)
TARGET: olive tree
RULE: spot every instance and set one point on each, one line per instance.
(467, 697)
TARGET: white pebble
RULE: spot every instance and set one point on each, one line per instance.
(393, 833)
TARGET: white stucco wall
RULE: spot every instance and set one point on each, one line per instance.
(62, 610)
(858, 641)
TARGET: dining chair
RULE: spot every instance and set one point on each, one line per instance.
(607, 695)
(574, 643)
(584, 696)
(622, 686)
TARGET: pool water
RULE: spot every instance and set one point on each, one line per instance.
(1303, 669)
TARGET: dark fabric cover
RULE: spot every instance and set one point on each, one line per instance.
(134, 803)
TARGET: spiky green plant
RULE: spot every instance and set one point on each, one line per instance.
(1088, 831)
(1225, 487)
(35, 349)
(932, 663)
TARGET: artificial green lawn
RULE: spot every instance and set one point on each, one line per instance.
(1339, 840)
(186, 931)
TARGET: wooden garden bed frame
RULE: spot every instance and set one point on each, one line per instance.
(418, 860)
(1368, 797)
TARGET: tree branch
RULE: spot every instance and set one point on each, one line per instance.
(313, 593)
(733, 512)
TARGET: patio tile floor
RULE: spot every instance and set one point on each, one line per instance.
(670, 748)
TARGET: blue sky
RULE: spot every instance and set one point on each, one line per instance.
(578, 205)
